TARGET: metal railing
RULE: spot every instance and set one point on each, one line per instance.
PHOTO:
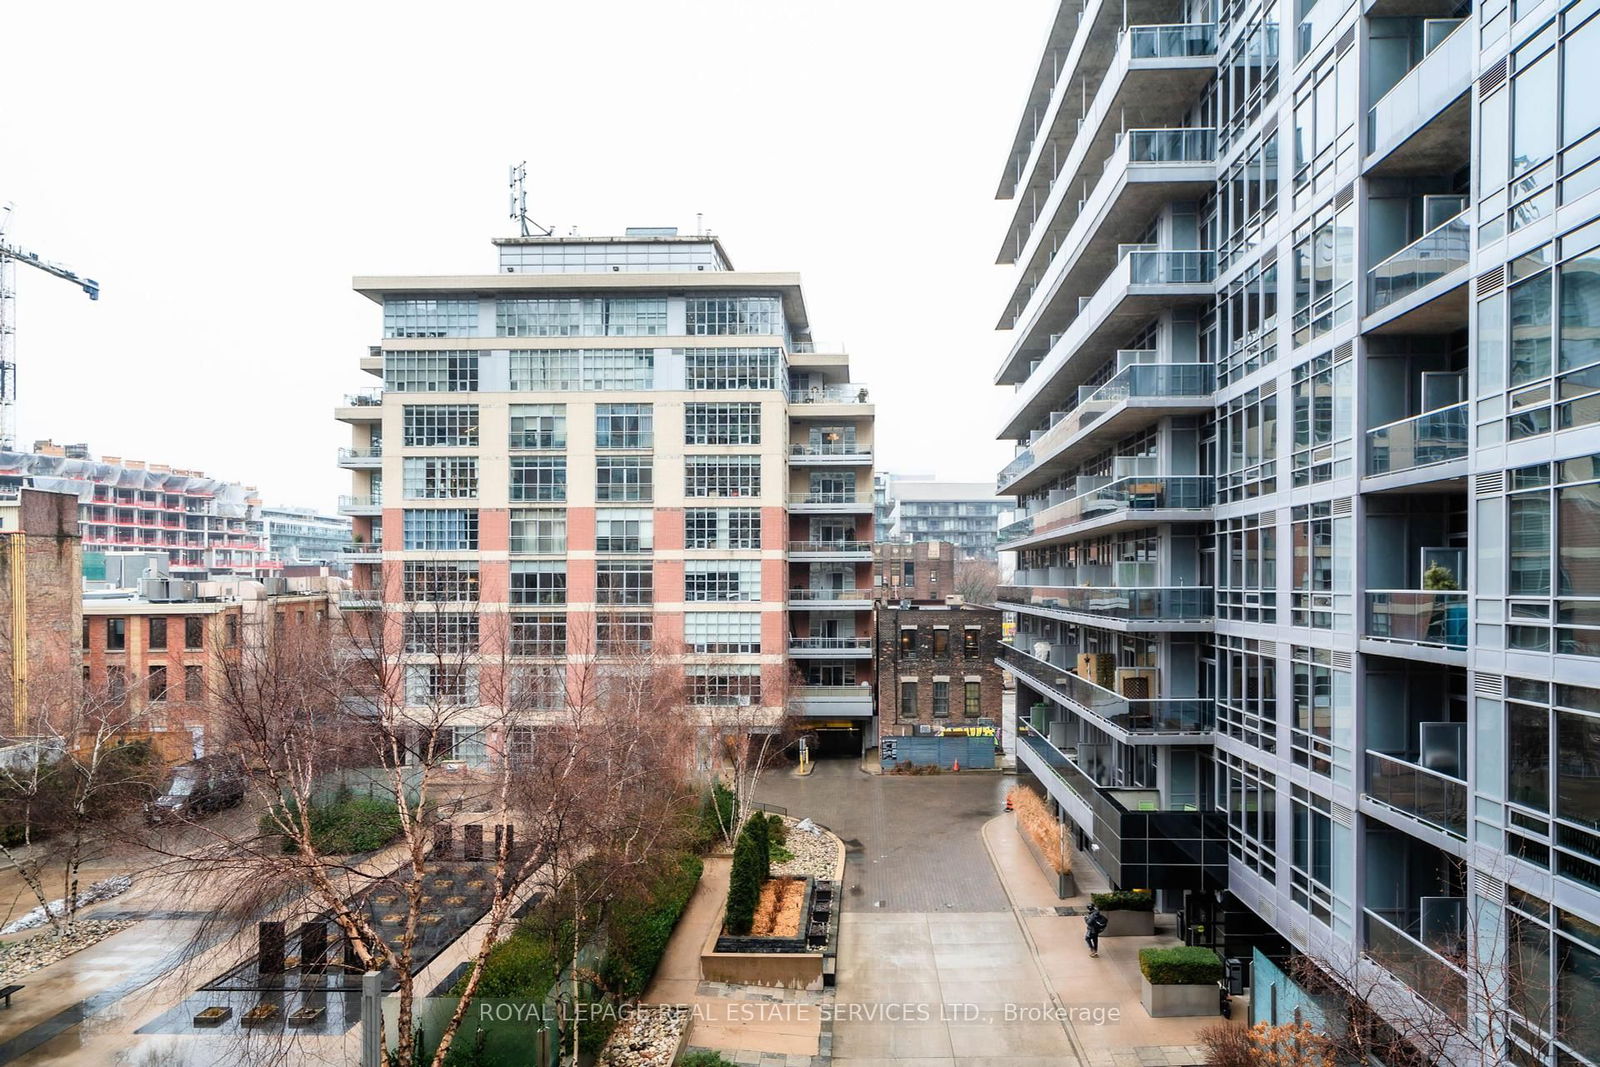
(1432, 797)
(829, 595)
(1172, 40)
(1419, 617)
(351, 598)
(832, 496)
(1432, 437)
(1444, 74)
(830, 546)
(1441, 250)
(849, 393)
(1142, 604)
(829, 644)
(1155, 715)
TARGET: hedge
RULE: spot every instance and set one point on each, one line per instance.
(1182, 965)
(345, 825)
(638, 930)
(703, 1059)
(1125, 900)
(759, 830)
(744, 885)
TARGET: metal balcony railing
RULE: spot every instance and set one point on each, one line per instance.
(1418, 617)
(1430, 257)
(347, 455)
(829, 595)
(830, 546)
(1432, 437)
(1432, 797)
(1142, 604)
(829, 644)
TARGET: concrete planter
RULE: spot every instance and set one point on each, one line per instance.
(1063, 884)
(1125, 923)
(1173, 1001)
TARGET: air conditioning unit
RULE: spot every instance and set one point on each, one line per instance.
(1138, 683)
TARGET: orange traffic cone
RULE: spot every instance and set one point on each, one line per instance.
(955, 766)
(1008, 803)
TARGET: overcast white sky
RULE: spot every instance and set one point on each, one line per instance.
(224, 171)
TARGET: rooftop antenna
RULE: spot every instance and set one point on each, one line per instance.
(519, 201)
(699, 224)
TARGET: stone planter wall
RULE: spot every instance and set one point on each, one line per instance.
(1063, 884)
(1173, 1001)
(1125, 923)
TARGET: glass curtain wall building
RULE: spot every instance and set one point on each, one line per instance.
(1305, 350)
(614, 448)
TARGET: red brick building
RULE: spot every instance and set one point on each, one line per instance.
(936, 666)
(924, 571)
(41, 568)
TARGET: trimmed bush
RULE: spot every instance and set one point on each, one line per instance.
(760, 833)
(523, 965)
(1182, 965)
(346, 825)
(744, 885)
(777, 830)
(1125, 900)
(703, 1059)
(637, 930)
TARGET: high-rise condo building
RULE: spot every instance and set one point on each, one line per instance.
(618, 445)
(1305, 345)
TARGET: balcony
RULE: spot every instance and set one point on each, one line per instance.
(1436, 799)
(1141, 843)
(1422, 287)
(837, 598)
(362, 553)
(1398, 941)
(361, 459)
(1422, 440)
(830, 647)
(360, 599)
(1180, 607)
(1417, 617)
(831, 501)
(1014, 531)
(1144, 283)
(824, 398)
(1125, 503)
(834, 701)
(843, 454)
(1127, 716)
(1140, 395)
(1423, 124)
(830, 551)
(358, 506)
(365, 406)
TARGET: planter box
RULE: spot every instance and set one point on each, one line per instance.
(1125, 923)
(1063, 884)
(1172, 1001)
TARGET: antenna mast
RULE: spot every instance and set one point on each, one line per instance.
(519, 202)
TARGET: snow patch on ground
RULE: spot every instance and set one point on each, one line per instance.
(111, 887)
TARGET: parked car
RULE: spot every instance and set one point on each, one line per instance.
(196, 789)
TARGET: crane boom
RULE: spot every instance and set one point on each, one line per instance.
(9, 255)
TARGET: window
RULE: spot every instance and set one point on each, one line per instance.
(722, 580)
(440, 477)
(941, 642)
(230, 630)
(441, 633)
(1247, 197)
(624, 530)
(733, 368)
(440, 582)
(941, 700)
(194, 684)
(116, 635)
(722, 424)
(1250, 799)
(1324, 418)
(538, 635)
(623, 426)
(1250, 73)
(908, 700)
(571, 316)
(724, 685)
(544, 371)
(157, 685)
(1551, 512)
(1325, 106)
(722, 632)
(157, 636)
(971, 641)
(430, 317)
(430, 372)
(1247, 692)
(1322, 563)
(1311, 862)
(619, 633)
(440, 529)
(973, 706)
(624, 583)
(1324, 272)
(538, 426)
(908, 639)
(1247, 445)
(566, 369)
(538, 582)
(1323, 714)
(621, 369)
(722, 476)
(116, 684)
(538, 687)
(440, 425)
(1245, 321)
(519, 745)
(540, 532)
(539, 478)
(624, 478)
(435, 685)
(733, 315)
(1247, 568)
(722, 528)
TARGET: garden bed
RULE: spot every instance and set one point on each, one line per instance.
(782, 905)
(20, 958)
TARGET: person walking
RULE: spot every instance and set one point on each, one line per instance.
(1094, 924)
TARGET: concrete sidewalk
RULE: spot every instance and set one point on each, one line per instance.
(1100, 997)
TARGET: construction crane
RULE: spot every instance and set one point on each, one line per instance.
(11, 254)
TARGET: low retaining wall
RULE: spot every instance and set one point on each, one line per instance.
(1175, 1001)
(1125, 923)
(1064, 884)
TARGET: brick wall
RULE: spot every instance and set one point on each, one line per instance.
(910, 649)
(925, 571)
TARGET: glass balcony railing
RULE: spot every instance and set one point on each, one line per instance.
(1131, 494)
(1444, 74)
(1160, 716)
(1157, 267)
(1393, 941)
(1172, 145)
(830, 546)
(829, 644)
(1014, 531)
(1418, 617)
(853, 497)
(848, 393)
(1143, 604)
(1430, 257)
(1432, 797)
(832, 448)
(829, 595)
(1171, 41)
(1432, 437)
(347, 503)
(366, 398)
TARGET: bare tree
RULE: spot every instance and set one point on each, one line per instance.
(747, 735)
(977, 580)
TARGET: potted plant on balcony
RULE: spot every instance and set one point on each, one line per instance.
(1130, 912)
(1179, 981)
(1441, 579)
